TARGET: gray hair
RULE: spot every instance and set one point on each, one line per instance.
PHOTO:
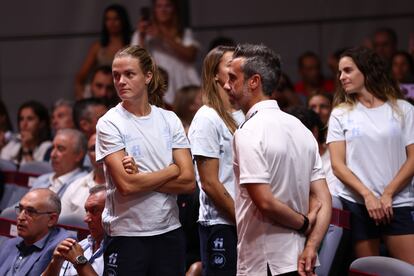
(79, 140)
(52, 200)
(62, 102)
(96, 189)
(261, 60)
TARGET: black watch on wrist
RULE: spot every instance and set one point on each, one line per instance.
(305, 225)
(81, 260)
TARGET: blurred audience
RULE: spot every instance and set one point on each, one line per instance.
(312, 80)
(285, 94)
(172, 46)
(6, 127)
(385, 43)
(102, 86)
(321, 104)
(403, 67)
(75, 196)
(69, 148)
(86, 113)
(187, 102)
(62, 116)
(115, 34)
(33, 141)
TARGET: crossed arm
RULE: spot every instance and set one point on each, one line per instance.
(176, 178)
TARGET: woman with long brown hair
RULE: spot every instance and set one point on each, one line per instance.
(141, 212)
(115, 34)
(211, 134)
(371, 142)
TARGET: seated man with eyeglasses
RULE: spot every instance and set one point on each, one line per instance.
(29, 253)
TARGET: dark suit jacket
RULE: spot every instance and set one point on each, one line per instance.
(38, 260)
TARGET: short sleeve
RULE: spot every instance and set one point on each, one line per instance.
(335, 127)
(108, 139)
(317, 169)
(408, 127)
(204, 137)
(179, 138)
(248, 150)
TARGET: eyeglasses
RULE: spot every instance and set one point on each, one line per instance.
(31, 212)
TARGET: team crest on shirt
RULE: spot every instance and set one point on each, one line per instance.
(218, 260)
(112, 260)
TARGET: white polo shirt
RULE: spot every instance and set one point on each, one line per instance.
(150, 140)
(276, 148)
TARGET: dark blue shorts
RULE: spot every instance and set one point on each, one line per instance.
(364, 228)
(149, 256)
(218, 245)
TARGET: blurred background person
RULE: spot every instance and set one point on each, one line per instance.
(402, 67)
(115, 34)
(86, 113)
(284, 94)
(33, 141)
(187, 102)
(6, 127)
(321, 104)
(385, 43)
(312, 79)
(74, 198)
(62, 116)
(172, 46)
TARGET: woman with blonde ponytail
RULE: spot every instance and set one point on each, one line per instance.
(211, 135)
(147, 162)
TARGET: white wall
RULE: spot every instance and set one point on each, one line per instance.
(43, 43)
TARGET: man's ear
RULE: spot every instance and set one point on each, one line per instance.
(254, 81)
(53, 220)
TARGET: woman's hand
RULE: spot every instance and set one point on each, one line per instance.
(386, 203)
(129, 165)
(374, 207)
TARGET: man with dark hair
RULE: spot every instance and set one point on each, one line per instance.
(86, 113)
(29, 254)
(278, 169)
(385, 43)
(102, 85)
(312, 80)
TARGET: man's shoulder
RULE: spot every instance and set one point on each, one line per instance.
(58, 234)
(8, 245)
(43, 181)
